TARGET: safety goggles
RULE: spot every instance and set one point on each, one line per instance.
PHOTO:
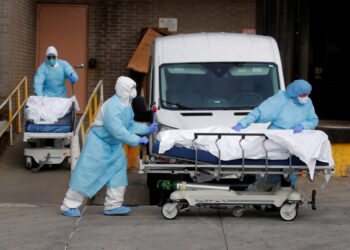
(51, 57)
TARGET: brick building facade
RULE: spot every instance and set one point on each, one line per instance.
(113, 32)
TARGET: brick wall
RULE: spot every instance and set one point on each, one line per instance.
(114, 27)
(5, 45)
(23, 33)
(17, 44)
(114, 31)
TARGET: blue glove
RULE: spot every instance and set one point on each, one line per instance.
(143, 140)
(72, 79)
(298, 129)
(237, 127)
(153, 127)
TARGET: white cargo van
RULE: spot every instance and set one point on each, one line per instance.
(205, 79)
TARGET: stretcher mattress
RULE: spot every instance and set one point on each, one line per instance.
(63, 125)
(204, 156)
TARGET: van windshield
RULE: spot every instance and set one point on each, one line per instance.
(217, 85)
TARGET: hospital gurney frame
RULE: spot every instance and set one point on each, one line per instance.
(162, 163)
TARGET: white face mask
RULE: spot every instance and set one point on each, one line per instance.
(303, 100)
(133, 93)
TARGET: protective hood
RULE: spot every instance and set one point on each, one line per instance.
(123, 89)
(51, 50)
(298, 87)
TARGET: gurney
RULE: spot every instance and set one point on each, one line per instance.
(203, 166)
(49, 143)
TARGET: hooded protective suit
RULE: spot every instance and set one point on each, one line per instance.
(284, 111)
(49, 79)
(102, 160)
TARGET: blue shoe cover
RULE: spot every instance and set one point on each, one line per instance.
(118, 211)
(73, 212)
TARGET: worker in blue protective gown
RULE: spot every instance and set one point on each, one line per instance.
(289, 109)
(51, 74)
(102, 160)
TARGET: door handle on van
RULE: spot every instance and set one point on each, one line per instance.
(240, 113)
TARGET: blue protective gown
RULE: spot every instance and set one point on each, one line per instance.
(49, 81)
(102, 160)
(284, 111)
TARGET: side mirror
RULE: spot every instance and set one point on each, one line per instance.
(140, 110)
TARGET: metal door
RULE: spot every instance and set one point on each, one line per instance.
(65, 27)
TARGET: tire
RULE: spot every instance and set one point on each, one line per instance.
(237, 211)
(29, 162)
(170, 210)
(288, 213)
(66, 163)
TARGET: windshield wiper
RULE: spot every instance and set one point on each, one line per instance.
(178, 105)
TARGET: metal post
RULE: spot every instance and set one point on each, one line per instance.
(18, 109)
(266, 158)
(219, 169)
(243, 159)
(196, 157)
(10, 121)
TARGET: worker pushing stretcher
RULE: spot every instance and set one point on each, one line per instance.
(276, 157)
(102, 160)
(50, 115)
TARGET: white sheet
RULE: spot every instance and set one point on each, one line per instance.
(47, 110)
(309, 146)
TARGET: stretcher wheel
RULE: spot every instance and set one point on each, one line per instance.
(29, 162)
(313, 199)
(170, 210)
(237, 211)
(288, 211)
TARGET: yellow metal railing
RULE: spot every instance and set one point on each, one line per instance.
(17, 113)
(90, 112)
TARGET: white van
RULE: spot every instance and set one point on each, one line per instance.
(205, 79)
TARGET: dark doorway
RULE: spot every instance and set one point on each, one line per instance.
(329, 63)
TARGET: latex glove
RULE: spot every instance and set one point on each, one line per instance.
(153, 127)
(237, 127)
(143, 140)
(72, 79)
(298, 129)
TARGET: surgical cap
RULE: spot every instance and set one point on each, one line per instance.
(298, 87)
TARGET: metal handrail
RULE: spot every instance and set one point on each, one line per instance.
(80, 132)
(17, 113)
(91, 110)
